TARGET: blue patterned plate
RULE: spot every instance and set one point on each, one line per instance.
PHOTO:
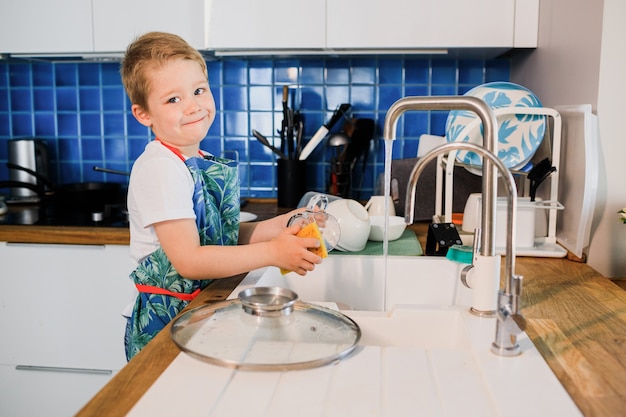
(519, 135)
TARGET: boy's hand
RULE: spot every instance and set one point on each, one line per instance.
(293, 252)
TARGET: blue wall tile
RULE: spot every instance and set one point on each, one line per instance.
(82, 111)
(43, 74)
(21, 100)
(66, 75)
(43, 99)
(19, 75)
(67, 99)
(4, 99)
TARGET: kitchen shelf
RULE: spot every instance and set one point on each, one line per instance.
(551, 147)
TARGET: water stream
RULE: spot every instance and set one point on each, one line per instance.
(386, 194)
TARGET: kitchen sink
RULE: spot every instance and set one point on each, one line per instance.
(358, 282)
(421, 353)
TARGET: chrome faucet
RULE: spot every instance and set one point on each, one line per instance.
(487, 268)
(489, 184)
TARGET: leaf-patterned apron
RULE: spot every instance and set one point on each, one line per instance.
(163, 293)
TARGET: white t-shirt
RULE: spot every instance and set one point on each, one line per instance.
(160, 188)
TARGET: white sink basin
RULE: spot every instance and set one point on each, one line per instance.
(358, 282)
(424, 354)
(410, 327)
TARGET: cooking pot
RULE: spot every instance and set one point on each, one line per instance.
(31, 154)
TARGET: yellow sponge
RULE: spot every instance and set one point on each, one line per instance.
(311, 230)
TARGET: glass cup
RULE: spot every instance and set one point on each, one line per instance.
(315, 212)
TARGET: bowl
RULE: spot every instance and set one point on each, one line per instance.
(519, 135)
(354, 224)
(377, 226)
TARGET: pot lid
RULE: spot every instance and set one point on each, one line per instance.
(266, 329)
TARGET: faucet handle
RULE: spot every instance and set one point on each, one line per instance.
(476, 243)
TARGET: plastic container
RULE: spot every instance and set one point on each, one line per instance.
(531, 220)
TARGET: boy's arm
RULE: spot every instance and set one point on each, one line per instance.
(179, 239)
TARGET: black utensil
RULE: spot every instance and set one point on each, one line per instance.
(360, 145)
(111, 171)
(266, 143)
(538, 174)
(288, 123)
(299, 132)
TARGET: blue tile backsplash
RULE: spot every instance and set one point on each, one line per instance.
(81, 110)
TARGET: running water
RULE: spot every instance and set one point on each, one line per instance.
(386, 194)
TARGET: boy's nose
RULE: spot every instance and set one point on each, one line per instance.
(193, 106)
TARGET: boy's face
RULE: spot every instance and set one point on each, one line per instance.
(181, 108)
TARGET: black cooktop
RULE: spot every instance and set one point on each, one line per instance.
(54, 213)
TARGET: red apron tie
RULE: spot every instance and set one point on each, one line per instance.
(149, 289)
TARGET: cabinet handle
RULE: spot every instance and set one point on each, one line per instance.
(63, 369)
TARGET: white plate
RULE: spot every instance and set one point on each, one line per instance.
(244, 216)
(519, 135)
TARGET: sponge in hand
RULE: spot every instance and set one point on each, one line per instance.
(311, 230)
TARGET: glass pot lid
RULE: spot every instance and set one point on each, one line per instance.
(266, 329)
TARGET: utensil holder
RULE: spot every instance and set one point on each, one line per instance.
(291, 182)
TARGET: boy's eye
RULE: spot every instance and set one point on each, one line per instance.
(198, 91)
(173, 100)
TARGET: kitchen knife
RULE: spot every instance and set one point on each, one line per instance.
(323, 131)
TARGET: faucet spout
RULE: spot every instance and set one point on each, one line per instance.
(510, 321)
(489, 184)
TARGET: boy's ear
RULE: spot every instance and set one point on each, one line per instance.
(141, 115)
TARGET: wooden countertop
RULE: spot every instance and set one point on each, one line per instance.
(576, 319)
(101, 235)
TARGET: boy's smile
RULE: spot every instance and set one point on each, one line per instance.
(181, 107)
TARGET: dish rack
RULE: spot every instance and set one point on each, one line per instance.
(546, 246)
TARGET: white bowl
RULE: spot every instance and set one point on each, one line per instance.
(377, 226)
(519, 135)
(354, 223)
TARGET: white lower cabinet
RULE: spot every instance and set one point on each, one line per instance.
(46, 393)
(61, 324)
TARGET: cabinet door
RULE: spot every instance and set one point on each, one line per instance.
(46, 393)
(118, 22)
(420, 23)
(61, 305)
(271, 24)
(43, 26)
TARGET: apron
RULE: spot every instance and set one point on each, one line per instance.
(163, 293)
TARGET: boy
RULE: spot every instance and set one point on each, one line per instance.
(184, 203)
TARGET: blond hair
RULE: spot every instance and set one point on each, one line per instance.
(149, 52)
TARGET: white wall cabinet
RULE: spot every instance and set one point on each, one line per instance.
(355, 25)
(273, 24)
(117, 22)
(41, 26)
(60, 317)
(94, 26)
(420, 23)
(321, 26)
